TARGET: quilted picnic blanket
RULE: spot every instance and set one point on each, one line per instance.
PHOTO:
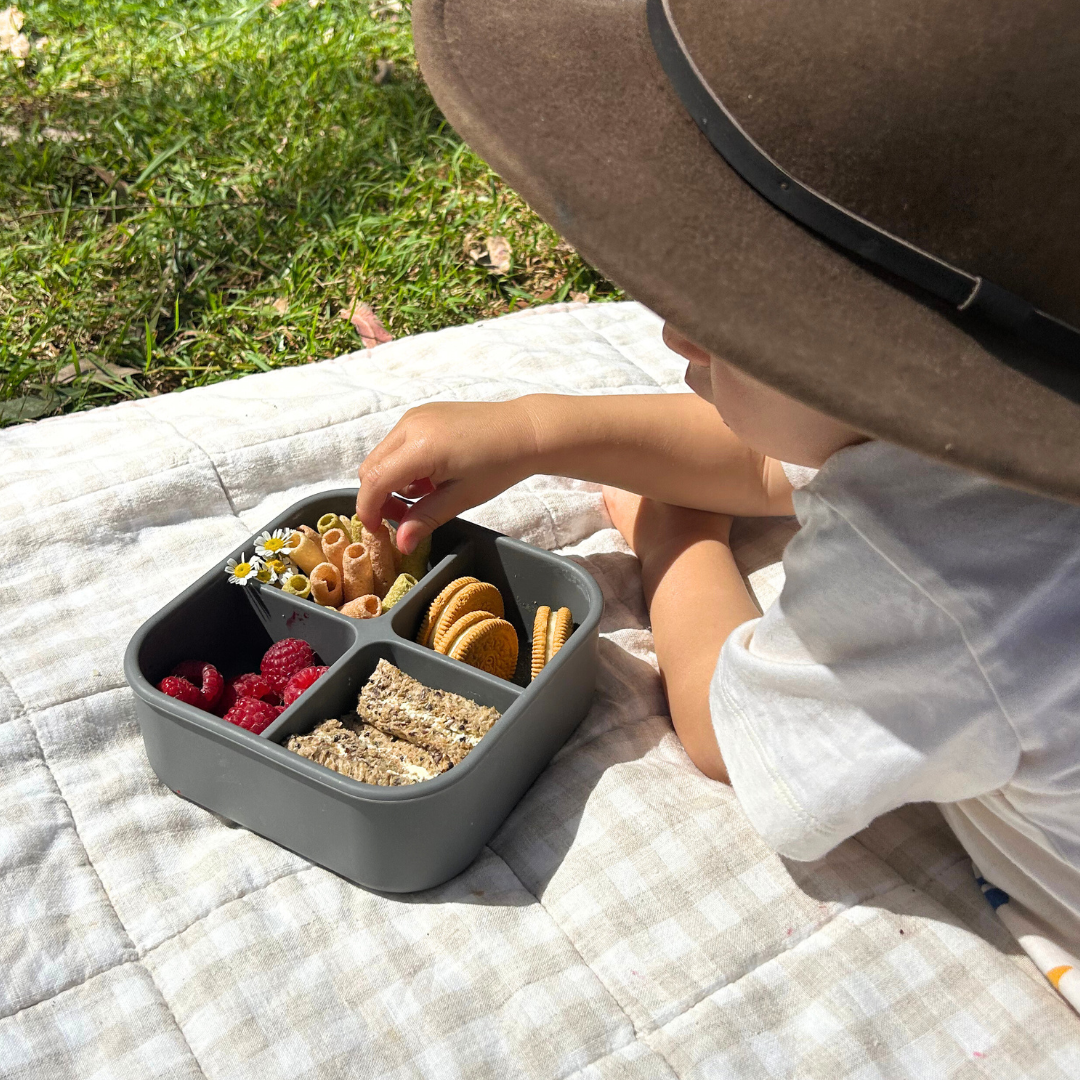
(625, 922)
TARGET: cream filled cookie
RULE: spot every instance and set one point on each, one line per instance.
(550, 631)
(470, 595)
(483, 641)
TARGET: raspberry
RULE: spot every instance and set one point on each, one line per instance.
(182, 690)
(284, 659)
(300, 682)
(253, 714)
(204, 675)
(249, 685)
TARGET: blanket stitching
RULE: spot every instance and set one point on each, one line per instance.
(175, 1020)
(139, 956)
(138, 953)
(21, 705)
(226, 903)
(129, 952)
(403, 403)
(116, 485)
(934, 878)
(135, 962)
(188, 439)
(957, 924)
(785, 945)
(637, 1039)
(573, 945)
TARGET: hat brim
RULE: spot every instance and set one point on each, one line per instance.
(567, 102)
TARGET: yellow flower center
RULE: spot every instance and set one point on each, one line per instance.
(275, 543)
(242, 569)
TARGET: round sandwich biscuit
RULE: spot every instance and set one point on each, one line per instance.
(438, 605)
(459, 597)
(550, 631)
(468, 620)
(476, 596)
(483, 641)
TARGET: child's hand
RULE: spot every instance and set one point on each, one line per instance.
(450, 456)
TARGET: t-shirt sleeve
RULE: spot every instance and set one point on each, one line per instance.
(855, 693)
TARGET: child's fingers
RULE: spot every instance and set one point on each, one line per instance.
(383, 476)
(424, 517)
(394, 508)
(418, 489)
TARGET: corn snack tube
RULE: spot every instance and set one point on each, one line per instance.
(383, 565)
(334, 544)
(326, 585)
(297, 585)
(363, 607)
(332, 521)
(308, 553)
(415, 563)
(402, 584)
(356, 572)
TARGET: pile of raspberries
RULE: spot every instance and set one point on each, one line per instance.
(252, 701)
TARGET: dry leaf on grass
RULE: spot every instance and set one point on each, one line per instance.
(496, 256)
(95, 371)
(579, 297)
(499, 254)
(390, 10)
(29, 407)
(280, 305)
(109, 180)
(367, 324)
(384, 72)
(11, 38)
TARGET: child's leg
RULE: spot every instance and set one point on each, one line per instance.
(696, 597)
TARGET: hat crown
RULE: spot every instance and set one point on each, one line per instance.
(953, 124)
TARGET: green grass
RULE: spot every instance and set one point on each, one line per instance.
(192, 191)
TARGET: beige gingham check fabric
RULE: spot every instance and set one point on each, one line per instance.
(624, 924)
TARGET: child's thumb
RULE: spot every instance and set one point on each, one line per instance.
(424, 517)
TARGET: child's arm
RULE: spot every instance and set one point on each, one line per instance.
(670, 447)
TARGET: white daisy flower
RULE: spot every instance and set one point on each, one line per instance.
(242, 571)
(271, 545)
(278, 569)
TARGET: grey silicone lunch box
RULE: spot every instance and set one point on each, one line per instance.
(395, 839)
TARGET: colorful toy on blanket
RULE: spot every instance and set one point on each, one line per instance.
(253, 700)
(339, 564)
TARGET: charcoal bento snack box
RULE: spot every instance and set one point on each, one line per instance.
(393, 839)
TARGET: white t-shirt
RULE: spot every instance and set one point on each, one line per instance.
(925, 647)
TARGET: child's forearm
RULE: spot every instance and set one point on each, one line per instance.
(670, 447)
(696, 597)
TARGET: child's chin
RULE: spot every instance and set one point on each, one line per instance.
(700, 381)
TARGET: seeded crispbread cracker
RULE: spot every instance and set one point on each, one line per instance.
(357, 750)
(436, 720)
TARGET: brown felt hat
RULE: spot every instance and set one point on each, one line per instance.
(952, 124)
